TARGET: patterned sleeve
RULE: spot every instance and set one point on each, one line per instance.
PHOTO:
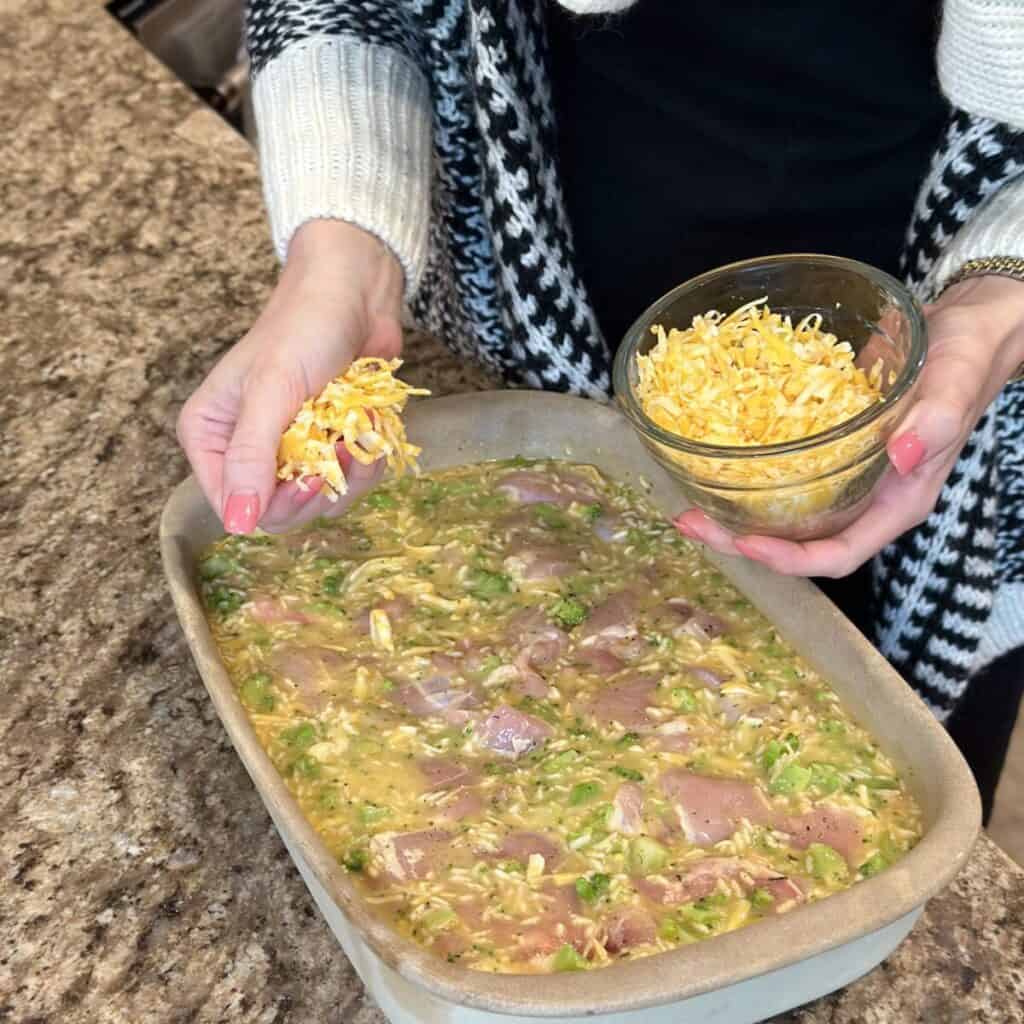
(971, 204)
(343, 115)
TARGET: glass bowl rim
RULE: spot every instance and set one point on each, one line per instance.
(908, 375)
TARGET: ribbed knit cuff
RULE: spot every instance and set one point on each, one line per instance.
(996, 228)
(981, 57)
(345, 133)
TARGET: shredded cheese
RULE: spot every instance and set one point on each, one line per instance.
(362, 410)
(380, 630)
(752, 378)
(755, 378)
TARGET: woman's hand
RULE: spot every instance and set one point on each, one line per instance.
(976, 342)
(339, 297)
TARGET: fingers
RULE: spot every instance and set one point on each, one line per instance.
(289, 506)
(936, 423)
(291, 516)
(950, 397)
(204, 430)
(287, 501)
(271, 396)
(292, 507)
(900, 505)
(698, 526)
(954, 388)
(291, 499)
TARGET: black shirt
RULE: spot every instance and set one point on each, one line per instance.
(695, 134)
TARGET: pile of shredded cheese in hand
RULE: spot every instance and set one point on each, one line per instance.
(752, 378)
(361, 409)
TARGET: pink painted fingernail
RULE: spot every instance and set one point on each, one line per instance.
(906, 452)
(241, 512)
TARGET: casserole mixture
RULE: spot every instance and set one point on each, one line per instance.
(540, 731)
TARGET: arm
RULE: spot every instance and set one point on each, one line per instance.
(344, 122)
(343, 117)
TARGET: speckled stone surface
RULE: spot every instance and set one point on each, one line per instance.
(141, 878)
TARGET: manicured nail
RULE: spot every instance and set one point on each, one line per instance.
(906, 452)
(241, 512)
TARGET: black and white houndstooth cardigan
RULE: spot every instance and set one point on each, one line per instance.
(496, 276)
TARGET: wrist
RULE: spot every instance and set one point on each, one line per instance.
(323, 253)
(1008, 293)
(996, 302)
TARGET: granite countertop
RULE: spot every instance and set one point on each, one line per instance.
(142, 879)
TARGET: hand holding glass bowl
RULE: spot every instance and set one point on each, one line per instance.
(811, 487)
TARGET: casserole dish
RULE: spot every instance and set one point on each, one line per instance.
(741, 977)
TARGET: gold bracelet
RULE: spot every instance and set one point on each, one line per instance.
(998, 266)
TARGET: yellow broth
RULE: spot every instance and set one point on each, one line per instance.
(540, 731)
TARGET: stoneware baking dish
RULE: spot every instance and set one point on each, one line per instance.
(738, 978)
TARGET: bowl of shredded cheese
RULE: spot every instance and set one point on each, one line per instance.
(769, 388)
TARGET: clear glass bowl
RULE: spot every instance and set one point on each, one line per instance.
(814, 486)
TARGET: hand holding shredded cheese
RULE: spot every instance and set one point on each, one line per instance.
(361, 409)
(752, 378)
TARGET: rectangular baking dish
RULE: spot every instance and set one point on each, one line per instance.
(739, 978)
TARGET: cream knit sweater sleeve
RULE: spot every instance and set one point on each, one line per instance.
(981, 57)
(344, 133)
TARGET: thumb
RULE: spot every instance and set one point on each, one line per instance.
(270, 398)
(937, 422)
(385, 338)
